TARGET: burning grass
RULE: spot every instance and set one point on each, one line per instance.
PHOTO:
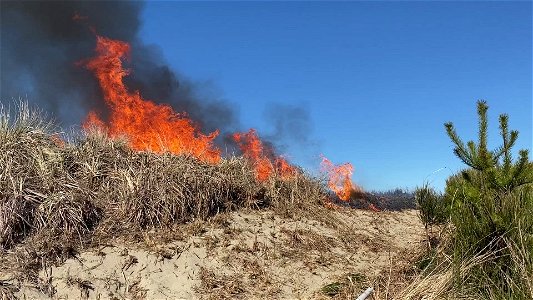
(93, 187)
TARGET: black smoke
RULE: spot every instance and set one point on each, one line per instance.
(41, 43)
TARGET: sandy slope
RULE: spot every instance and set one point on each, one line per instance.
(251, 255)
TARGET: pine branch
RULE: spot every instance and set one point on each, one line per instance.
(484, 158)
(522, 174)
(506, 140)
(460, 150)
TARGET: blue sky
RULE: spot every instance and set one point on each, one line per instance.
(379, 79)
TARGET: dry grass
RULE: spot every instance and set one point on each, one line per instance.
(441, 277)
(220, 287)
(7, 291)
(347, 287)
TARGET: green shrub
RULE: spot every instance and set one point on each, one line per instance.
(431, 206)
(491, 209)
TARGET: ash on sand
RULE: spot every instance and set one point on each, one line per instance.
(90, 218)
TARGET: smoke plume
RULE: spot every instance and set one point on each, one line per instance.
(41, 43)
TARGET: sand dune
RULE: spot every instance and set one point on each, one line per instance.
(245, 254)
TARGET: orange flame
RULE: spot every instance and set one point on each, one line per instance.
(373, 208)
(340, 178)
(283, 168)
(254, 150)
(93, 120)
(57, 140)
(148, 126)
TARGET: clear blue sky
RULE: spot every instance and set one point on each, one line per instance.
(378, 78)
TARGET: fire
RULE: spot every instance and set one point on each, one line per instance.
(57, 140)
(373, 208)
(260, 155)
(340, 178)
(93, 120)
(284, 168)
(158, 128)
(147, 125)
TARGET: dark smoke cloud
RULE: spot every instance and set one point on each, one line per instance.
(40, 44)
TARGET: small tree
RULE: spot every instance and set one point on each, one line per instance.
(500, 174)
(490, 202)
(431, 210)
